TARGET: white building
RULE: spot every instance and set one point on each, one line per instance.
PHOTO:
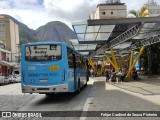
(111, 9)
(153, 8)
(9, 41)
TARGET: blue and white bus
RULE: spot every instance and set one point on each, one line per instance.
(52, 67)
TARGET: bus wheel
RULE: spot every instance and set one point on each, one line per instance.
(85, 85)
(49, 94)
(87, 79)
(79, 86)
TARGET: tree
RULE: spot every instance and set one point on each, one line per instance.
(143, 12)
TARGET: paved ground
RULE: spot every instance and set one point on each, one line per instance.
(145, 87)
(11, 89)
(130, 96)
(11, 99)
(108, 97)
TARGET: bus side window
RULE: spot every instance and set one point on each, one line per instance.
(78, 61)
(70, 58)
(83, 64)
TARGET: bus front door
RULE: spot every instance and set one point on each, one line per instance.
(75, 72)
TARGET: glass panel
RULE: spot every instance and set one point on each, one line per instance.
(91, 47)
(43, 53)
(76, 47)
(103, 36)
(80, 28)
(146, 31)
(107, 28)
(81, 40)
(70, 58)
(78, 61)
(99, 56)
(93, 28)
(90, 37)
(82, 47)
(80, 37)
(85, 47)
(84, 53)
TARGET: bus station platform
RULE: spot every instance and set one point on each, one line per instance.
(141, 95)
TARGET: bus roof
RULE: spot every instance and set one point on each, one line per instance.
(38, 43)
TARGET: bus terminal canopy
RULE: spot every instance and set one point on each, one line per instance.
(96, 36)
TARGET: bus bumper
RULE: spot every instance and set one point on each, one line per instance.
(44, 89)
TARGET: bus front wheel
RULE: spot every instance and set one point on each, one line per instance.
(50, 94)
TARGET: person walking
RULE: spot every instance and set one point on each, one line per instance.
(134, 74)
(91, 72)
(113, 76)
(122, 76)
(107, 75)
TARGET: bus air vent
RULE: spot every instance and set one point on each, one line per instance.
(42, 88)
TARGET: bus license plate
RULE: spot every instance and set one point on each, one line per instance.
(54, 67)
(43, 80)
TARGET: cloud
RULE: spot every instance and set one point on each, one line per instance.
(70, 10)
(5, 4)
(35, 13)
(25, 4)
(31, 18)
(18, 4)
(29, 12)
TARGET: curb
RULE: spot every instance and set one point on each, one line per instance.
(88, 102)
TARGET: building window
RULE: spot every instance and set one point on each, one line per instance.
(3, 56)
(154, 11)
(111, 13)
(2, 45)
(2, 33)
(1, 24)
(8, 55)
(103, 13)
(158, 12)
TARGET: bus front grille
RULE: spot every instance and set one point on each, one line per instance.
(42, 88)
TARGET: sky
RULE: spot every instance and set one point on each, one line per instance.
(36, 13)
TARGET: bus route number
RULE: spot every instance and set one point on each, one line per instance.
(54, 67)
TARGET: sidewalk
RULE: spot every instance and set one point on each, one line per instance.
(108, 97)
(145, 87)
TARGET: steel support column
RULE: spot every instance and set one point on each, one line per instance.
(92, 65)
(108, 58)
(135, 61)
(131, 59)
(114, 59)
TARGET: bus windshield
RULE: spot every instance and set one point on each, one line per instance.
(43, 53)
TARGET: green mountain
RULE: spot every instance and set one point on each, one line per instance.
(55, 31)
(52, 31)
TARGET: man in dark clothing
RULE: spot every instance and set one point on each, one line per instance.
(107, 75)
(134, 74)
